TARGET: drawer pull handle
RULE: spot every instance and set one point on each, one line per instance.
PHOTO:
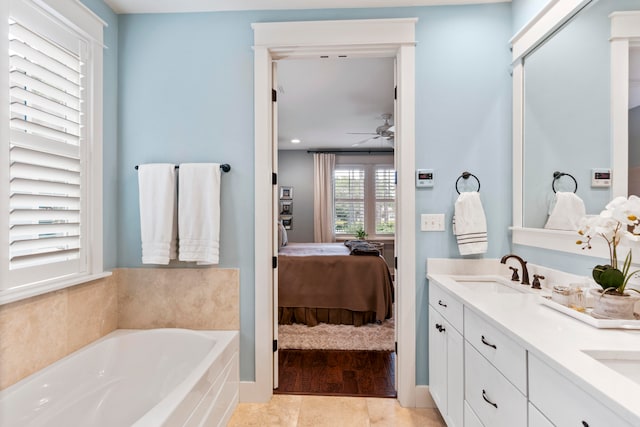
(441, 303)
(484, 396)
(438, 326)
(484, 341)
(585, 424)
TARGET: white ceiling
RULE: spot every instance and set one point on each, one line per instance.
(321, 100)
(177, 6)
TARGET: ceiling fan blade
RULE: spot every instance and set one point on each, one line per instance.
(364, 141)
(361, 133)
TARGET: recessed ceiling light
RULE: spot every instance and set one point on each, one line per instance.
(295, 141)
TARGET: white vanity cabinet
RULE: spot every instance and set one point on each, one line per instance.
(495, 374)
(563, 402)
(446, 355)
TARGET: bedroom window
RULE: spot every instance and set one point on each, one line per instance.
(364, 197)
(52, 220)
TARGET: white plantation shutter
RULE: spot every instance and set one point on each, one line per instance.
(46, 207)
(364, 197)
(348, 199)
(385, 188)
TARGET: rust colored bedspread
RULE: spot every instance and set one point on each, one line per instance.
(331, 288)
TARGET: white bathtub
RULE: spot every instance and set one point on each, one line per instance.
(141, 378)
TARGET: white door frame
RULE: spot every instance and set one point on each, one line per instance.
(375, 37)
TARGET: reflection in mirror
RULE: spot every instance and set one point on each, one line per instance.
(567, 115)
(634, 121)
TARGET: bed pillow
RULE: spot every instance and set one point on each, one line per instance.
(282, 235)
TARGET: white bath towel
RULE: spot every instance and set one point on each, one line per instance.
(566, 211)
(470, 224)
(199, 212)
(158, 219)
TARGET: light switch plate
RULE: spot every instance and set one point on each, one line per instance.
(432, 222)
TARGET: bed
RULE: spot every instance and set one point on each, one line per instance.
(322, 282)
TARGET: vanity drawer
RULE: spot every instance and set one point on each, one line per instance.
(446, 304)
(503, 353)
(563, 402)
(537, 419)
(470, 417)
(496, 401)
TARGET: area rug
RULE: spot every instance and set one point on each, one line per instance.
(338, 337)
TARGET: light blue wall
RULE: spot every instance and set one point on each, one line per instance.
(524, 10)
(109, 139)
(295, 169)
(185, 93)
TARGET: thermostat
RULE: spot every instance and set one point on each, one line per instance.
(601, 177)
(424, 178)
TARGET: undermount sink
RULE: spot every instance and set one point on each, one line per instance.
(491, 285)
(626, 363)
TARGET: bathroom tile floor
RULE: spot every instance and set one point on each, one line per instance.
(317, 411)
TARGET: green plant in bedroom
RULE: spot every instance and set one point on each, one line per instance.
(360, 233)
(619, 222)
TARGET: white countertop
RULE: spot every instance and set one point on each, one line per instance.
(550, 335)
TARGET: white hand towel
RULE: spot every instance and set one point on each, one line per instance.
(567, 209)
(470, 224)
(199, 212)
(158, 219)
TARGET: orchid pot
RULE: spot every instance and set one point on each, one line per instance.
(619, 222)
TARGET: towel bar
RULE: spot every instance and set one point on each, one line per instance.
(225, 167)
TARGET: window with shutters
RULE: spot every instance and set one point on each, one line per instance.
(53, 216)
(364, 197)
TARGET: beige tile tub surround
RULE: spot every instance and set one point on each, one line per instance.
(299, 411)
(35, 332)
(193, 298)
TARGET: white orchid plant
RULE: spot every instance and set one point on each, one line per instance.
(618, 223)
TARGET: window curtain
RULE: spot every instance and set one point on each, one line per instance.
(323, 167)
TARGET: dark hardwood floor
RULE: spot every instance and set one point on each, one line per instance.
(337, 373)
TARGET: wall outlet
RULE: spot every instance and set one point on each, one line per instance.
(432, 222)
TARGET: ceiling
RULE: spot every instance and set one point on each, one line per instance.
(321, 100)
(177, 6)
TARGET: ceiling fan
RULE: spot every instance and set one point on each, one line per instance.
(385, 132)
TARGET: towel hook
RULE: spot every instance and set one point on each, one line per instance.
(557, 175)
(466, 175)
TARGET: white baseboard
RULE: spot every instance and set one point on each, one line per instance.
(423, 397)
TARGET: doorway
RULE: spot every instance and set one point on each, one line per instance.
(340, 108)
(273, 41)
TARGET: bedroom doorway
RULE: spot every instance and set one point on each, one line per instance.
(349, 123)
(367, 38)
(320, 351)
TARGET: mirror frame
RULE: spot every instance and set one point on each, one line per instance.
(625, 32)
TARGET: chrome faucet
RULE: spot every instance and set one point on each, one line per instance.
(523, 263)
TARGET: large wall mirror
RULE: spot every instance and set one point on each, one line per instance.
(565, 95)
(567, 110)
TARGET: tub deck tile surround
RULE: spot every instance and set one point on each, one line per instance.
(317, 411)
(37, 331)
(40, 330)
(192, 298)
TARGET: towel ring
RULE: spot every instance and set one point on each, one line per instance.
(557, 175)
(466, 175)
